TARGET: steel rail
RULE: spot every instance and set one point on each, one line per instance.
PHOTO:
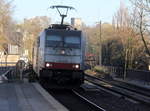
(140, 91)
(98, 108)
(133, 95)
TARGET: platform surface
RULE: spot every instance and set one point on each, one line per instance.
(27, 97)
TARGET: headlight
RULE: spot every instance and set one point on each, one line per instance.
(48, 65)
(76, 66)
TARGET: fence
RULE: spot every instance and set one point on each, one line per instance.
(12, 72)
(138, 75)
(4, 69)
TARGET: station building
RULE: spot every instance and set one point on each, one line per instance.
(76, 22)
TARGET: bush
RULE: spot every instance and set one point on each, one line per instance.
(90, 72)
(100, 69)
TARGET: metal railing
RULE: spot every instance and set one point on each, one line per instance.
(12, 73)
(138, 75)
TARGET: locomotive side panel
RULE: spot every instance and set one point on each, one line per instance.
(35, 55)
(83, 45)
(41, 53)
(38, 53)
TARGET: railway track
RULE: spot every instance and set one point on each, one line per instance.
(90, 98)
(137, 89)
(93, 105)
(74, 101)
(134, 88)
(128, 92)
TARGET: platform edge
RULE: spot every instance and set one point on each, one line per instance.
(58, 106)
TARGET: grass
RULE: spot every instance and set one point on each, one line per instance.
(98, 71)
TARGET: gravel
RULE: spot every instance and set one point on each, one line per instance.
(70, 100)
(111, 102)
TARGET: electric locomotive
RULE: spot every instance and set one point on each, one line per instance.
(58, 56)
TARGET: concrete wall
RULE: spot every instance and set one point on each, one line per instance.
(11, 60)
(76, 22)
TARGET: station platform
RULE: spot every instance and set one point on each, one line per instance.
(27, 97)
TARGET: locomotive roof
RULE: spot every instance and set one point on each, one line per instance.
(63, 27)
(63, 32)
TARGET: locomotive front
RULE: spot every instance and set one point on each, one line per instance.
(58, 56)
(62, 56)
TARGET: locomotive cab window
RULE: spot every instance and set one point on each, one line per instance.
(72, 41)
(54, 41)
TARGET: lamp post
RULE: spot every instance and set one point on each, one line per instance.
(100, 43)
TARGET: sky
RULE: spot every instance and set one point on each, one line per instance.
(90, 11)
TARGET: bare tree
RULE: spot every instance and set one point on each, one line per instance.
(141, 12)
(123, 29)
(30, 30)
(6, 24)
